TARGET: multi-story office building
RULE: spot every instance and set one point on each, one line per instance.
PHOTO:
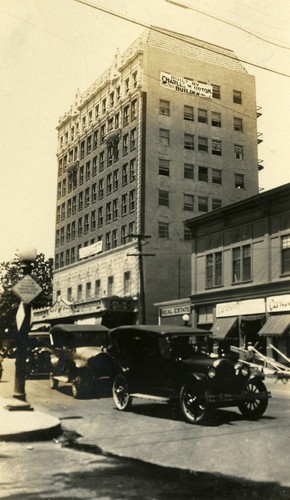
(169, 131)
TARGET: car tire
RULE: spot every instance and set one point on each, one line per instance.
(122, 399)
(53, 382)
(193, 405)
(256, 407)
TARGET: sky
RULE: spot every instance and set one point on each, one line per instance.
(51, 48)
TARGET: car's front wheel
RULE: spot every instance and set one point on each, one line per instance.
(257, 403)
(193, 405)
(122, 399)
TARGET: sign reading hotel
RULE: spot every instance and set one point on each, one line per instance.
(90, 250)
(185, 86)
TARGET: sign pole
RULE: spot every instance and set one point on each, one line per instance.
(20, 362)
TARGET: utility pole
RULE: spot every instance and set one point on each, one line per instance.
(140, 255)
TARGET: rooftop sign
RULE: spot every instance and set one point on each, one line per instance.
(185, 86)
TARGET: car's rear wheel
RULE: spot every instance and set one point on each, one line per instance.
(255, 407)
(53, 382)
(122, 399)
(193, 405)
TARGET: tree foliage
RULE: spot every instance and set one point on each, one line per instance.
(10, 274)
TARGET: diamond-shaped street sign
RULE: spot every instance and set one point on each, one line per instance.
(26, 289)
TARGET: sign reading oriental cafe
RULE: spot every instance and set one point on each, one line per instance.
(185, 86)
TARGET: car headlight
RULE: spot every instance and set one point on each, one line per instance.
(245, 371)
(211, 373)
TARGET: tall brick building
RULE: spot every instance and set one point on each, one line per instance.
(168, 132)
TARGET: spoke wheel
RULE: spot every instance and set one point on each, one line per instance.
(193, 405)
(255, 407)
(121, 396)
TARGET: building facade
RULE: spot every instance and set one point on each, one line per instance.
(241, 271)
(168, 132)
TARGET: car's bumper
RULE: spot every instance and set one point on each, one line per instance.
(233, 399)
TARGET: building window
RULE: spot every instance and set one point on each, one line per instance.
(163, 230)
(72, 255)
(125, 144)
(238, 124)
(94, 192)
(188, 171)
(117, 120)
(242, 263)
(89, 144)
(126, 115)
(134, 110)
(239, 152)
(134, 79)
(216, 176)
(86, 224)
(97, 289)
(110, 124)
(132, 200)
(59, 190)
(73, 230)
(213, 272)
(95, 139)
(87, 197)
(88, 290)
(163, 198)
(115, 179)
(81, 175)
(80, 226)
(216, 147)
(103, 133)
(239, 181)
(188, 202)
(88, 170)
(216, 203)
(80, 292)
(81, 201)
(127, 283)
(188, 113)
(189, 141)
(164, 107)
(202, 204)
(203, 174)
(216, 91)
(61, 259)
(203, 144)
(104, 106)
(164, 136)
(202, 115)
(216, 120)
(93, 220)
(109, 186)
(127, 85)
(132, 169)
(62, 236)
(124, 204)
(133, 136)
(108, 212)
(123, 235)
(285, 257)
(82, 149)
(237, 97)
(187, 234)
(125, 174)
(108, 241)
(114, 238)
(100, 216)
(163, 167)
(102, 161)
(110, 285)
(101, 189)
(68, 232)
(68, 208)
(115, 209)
(69, 294)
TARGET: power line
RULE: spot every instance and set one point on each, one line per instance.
(176, 36)
(229, 23)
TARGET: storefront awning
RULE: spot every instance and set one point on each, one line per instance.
(223, 326)
(275, 325)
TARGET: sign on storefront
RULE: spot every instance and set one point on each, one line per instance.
(175, 311)
(240, 308)
(279, 303)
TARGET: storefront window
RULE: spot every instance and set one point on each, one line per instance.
(286, 254)
(242, 264)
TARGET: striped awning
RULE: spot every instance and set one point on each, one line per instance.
(276, 324)
(223, 326)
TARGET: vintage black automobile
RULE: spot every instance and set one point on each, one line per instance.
(170, 363)
(38, 354)
(79, 356)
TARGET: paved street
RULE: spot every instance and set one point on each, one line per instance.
(161, 456)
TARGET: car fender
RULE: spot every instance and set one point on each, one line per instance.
(197, 381)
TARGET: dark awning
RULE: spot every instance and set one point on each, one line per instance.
(275, 325)
(223, 326)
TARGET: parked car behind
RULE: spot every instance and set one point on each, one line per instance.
(38, 354)
(79, 356)
(169, 363)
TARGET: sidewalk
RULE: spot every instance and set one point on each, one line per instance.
(19, 421)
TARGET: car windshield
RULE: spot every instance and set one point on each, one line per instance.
(186, 346)
(79, 339)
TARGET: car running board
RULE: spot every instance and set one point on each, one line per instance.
(148, 396)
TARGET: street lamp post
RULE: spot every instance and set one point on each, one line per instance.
(27, 257)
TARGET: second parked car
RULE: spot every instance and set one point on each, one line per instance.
(167, 363)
